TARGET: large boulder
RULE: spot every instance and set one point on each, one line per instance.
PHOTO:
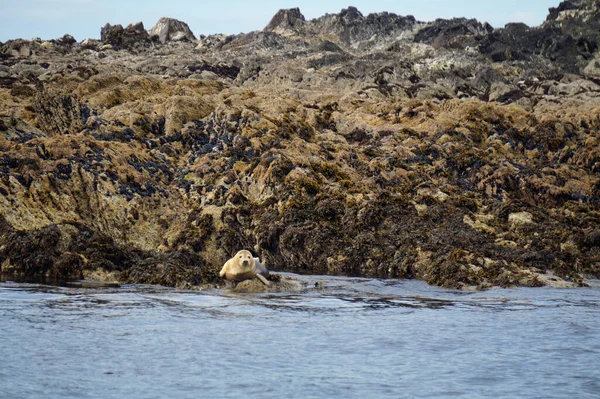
(169, 29)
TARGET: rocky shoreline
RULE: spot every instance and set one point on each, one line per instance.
(376, 146)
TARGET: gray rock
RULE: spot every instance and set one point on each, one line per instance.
(91, 44)
(285, 21)
(169, 29)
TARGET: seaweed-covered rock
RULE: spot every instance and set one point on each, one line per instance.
(365, 145)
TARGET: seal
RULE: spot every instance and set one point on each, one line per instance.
(243, 266)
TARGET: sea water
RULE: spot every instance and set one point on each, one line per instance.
(338, 338)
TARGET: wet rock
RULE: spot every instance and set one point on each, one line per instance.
(169, 29)
(278, 284)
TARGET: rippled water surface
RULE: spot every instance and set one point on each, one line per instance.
(353, 338)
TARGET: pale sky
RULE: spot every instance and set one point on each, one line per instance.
(50, 19)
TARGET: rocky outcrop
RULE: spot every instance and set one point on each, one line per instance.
(133, 37)
(169, 29)
(358, 31)
(373, 145)
(286, 21)
(453, 33)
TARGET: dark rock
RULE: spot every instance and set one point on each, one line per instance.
(22, 91)
(352, 27)
(483, 80)
(570, 43)
(450, 32)
(223, 70)
(67, 40)
(67, 251)
(563, 6)
(133, 37)
(330, 47)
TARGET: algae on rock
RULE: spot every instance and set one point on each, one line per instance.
(374, 146)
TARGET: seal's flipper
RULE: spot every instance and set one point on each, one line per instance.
(260, 268)
(263, 279)
(224, 269)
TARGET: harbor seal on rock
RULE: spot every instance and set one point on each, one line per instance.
(243, 266)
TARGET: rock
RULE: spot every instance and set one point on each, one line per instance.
(365, 145)
(18, 48)
(179, 37)
(564, 6)
(91, 44)
(169, 29)
(67, 40)
(592, 68)
(286, 21)
(355, 30)
(111, 33)
(278, 284)
(134, 37)
(451, 33)
(504, 93)
(573, 88)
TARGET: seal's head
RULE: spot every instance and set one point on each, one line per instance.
(244, 259)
